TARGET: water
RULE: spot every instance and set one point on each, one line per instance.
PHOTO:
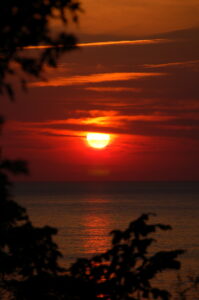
(85, 213)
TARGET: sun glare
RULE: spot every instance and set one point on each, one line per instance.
(98, 140)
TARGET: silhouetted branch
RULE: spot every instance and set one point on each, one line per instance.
(127, 269)
(30, 23)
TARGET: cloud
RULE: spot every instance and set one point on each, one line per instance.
(108, 43)
(190, 63)
(94, 78)
(128, 121)
(127, 42)
(113, 89)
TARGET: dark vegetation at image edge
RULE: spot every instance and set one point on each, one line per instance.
(29, 267)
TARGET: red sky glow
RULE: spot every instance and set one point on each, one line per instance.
(136, 79)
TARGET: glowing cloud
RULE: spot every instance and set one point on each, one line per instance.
(190, 63)
(108, 43)
(131, 42)
(95, 78)
(113, 89)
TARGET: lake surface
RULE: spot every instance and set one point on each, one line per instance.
(85, 213)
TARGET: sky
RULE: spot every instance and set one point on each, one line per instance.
(135, 76)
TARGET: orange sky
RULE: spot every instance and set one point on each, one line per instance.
(137, 17)
(126, 80)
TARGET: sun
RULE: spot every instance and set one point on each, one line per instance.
(98, 140)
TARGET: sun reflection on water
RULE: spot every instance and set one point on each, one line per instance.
(95, 229)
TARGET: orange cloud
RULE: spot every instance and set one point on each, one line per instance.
(118, 120)
(113, 89)
(127, 42)
(108, 43)
(97, 119)
(189, 63)
(94, 78)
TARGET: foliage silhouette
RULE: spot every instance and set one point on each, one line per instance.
(187, 285)
(29, 23)
(29, 267)
(28, 255)
(127, 269)
(26, 252)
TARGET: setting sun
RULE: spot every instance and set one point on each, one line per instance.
(98, 140)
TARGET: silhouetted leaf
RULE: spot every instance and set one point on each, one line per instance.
(26, 23)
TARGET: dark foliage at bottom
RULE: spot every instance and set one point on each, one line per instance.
(127, 269)
(29, 266)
